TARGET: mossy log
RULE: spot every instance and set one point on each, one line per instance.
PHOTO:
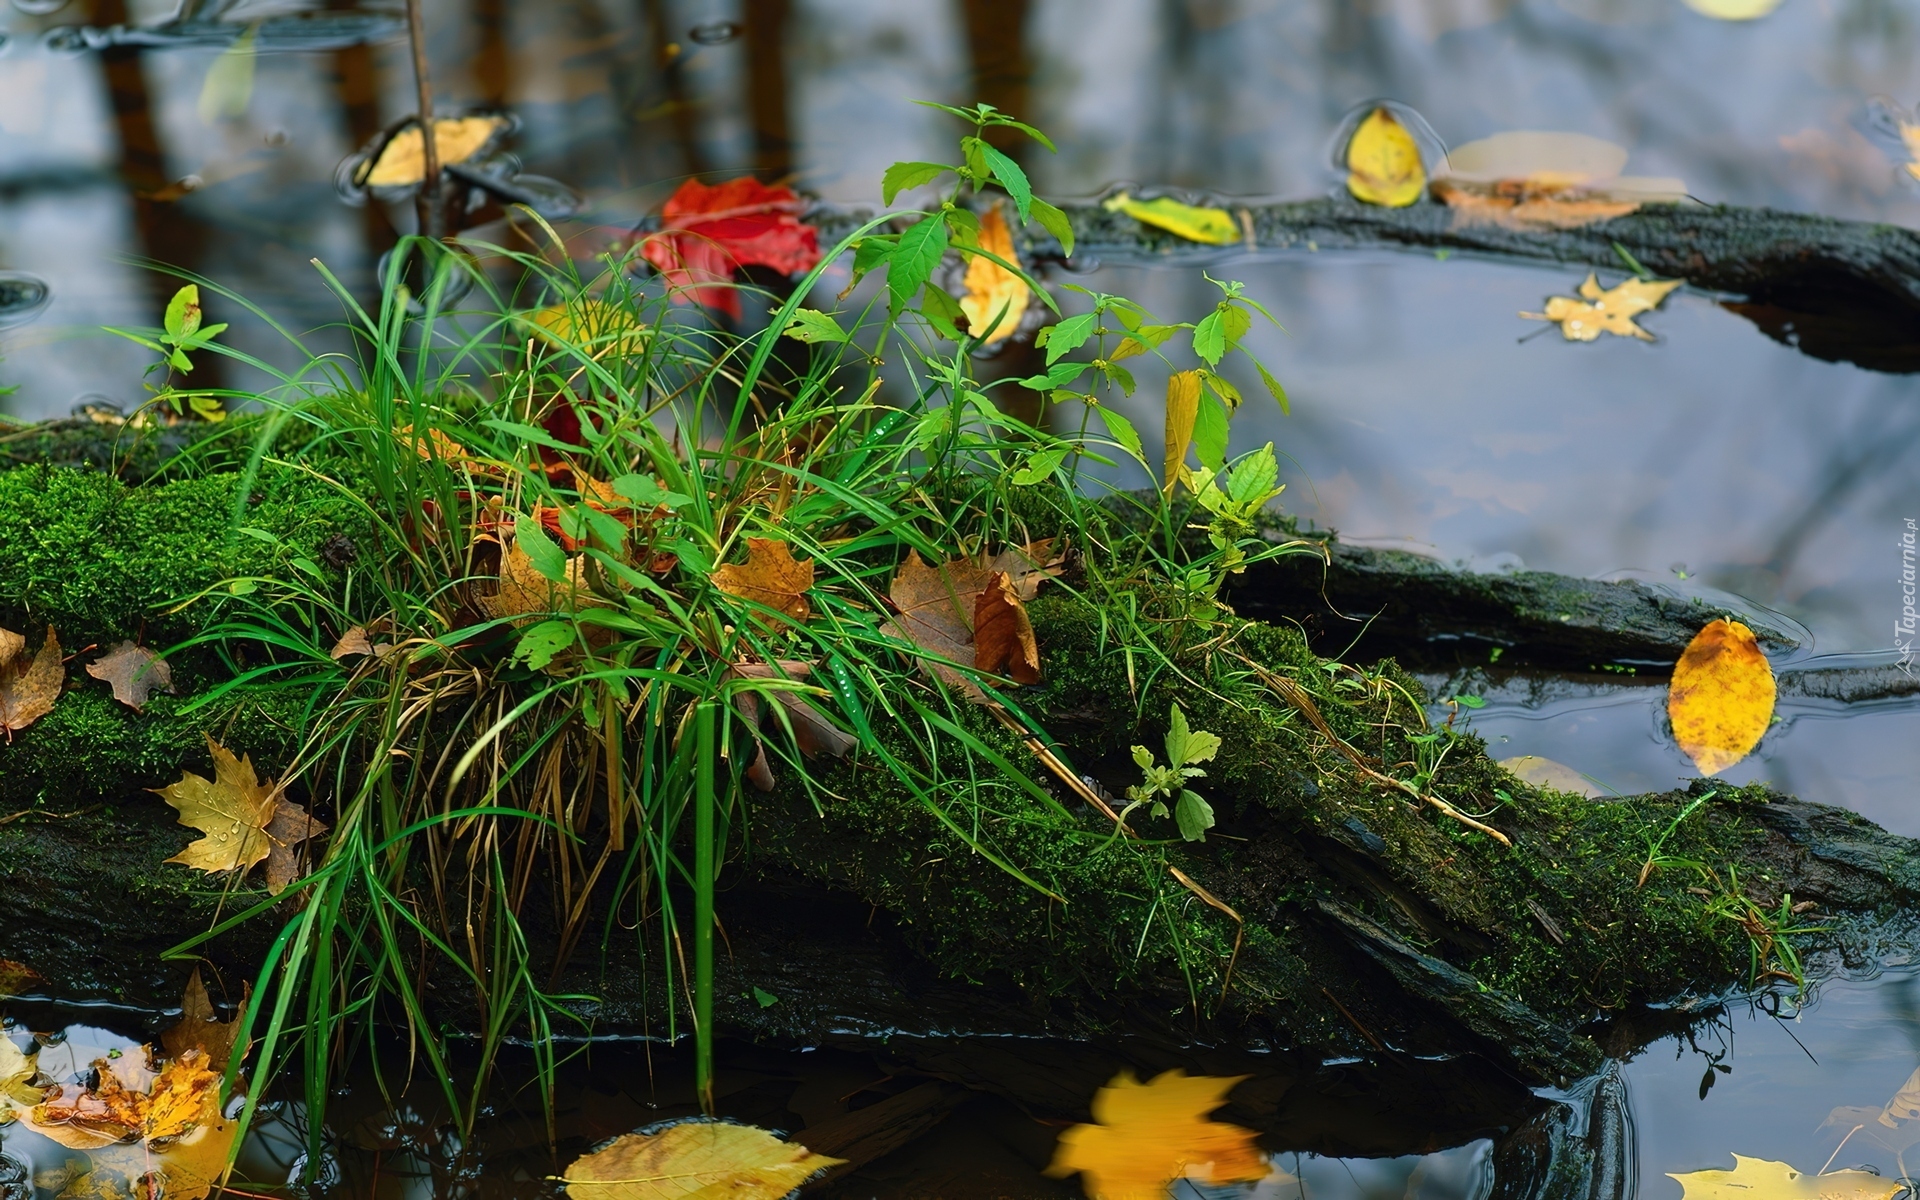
(1364, 925)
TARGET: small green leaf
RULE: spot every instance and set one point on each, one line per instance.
(1054, 222)
(1012, 178)
(1469, 701)
(1210, 434)
(943, 312)
(183, 312)
(813, 326)
(1224, 389)
(546, 557)
(1210, 338)
(1253, 478)
(1177, 732)
(1194, 816)
(1069, 335)
(540, 644)
(1143, 758)
(904, 176)
(1040, 465)
(1121, 430)
(913, 260)
(1058, 375)
(764, 998)
(1201, 747)
(1120, 376)
(646, 491)
(1273, 386)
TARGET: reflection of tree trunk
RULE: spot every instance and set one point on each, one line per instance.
(997, 43)
(356, 82)
(492, 61)
(766, 22)
(668, 54)
(166, 233)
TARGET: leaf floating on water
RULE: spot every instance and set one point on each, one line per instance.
(134, 672)
(1896, 130)
(228, 89)
(1150, 1134)
(1611, 310)
(708, 232)
(1383, 162)
(401, 161)
(1544, 772)
(1721, 697)
(199, 1028)
(17, 1073)
(695, 1160)
(1764, 1179)
(172, 1126)
(770, 576)
(1538, 179)
(28, 686)
(991, 288)
(245, 821)
(1213, 226)
(1733, 10)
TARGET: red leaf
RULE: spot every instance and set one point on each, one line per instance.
(708, 232)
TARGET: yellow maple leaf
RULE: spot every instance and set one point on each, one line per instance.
(29, 686)
(402, 161)
(1150, 1134)
(991, 288)
(17, 1073)
(1213, 226)
(1764, 1179)
(232, 809)
(695, 1160)
(1609, 310)
(1721, 698)
(1383, 162)
(770, 576)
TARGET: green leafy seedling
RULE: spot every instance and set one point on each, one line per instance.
(180, 334)
(1186, 749)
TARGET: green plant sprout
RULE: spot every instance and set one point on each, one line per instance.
(180, 335)
(1186, 749)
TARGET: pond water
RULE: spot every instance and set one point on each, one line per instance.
(1424, 416)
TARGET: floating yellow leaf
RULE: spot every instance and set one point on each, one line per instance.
(1214, 226)
(401, 162)
(28, 686)
(1721, 697)
(1183, 410)
(1544, 772)
(1763, 1179)
(1383, 162)
(1609, 310)
(245, 821)
(1733, 10)
(592, 325)
(199, 1029)
(695, 1160)
(17, 1072)
(228, 89)
(1150, 1134)
(992, 288)
(770, 576)
(171, 1125)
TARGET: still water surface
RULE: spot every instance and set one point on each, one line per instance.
(1715, 458)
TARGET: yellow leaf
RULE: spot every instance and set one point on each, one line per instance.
(1383, 162)
(1214, 226)
(402, 160)
(1183, 409)
(229, 84)
(1733, 10)
(1763, 1179)
(770, 576)
(17, 1072)
(523, 594)
(1151, 1134)
(28, 686)
(199, 1029)
(1611, 310)
(1721, 697)
(244, 820)
(991, 287)
(593, 325)
(695, 1160)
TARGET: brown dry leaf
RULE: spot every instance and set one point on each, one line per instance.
(526, 595)
(695, 1160)
(134, 672)
(1721, 697)
(28, 686)
(991, 287)
(352, 643)
(770, 576)
(1528, 204)
(291, 825)
(1003, 641)
(200, 1029)
(940, 609)
(1609, 310)
(1150, 1134)
(1544, 772)
(1763, 1179)
(812, 733)
(17, 978)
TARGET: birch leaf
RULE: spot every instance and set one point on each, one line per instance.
(1721, 697)
(1212, 226)
(1383, 162)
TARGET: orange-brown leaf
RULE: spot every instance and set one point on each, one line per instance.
(28, 686)
(17, 978)
(940, 608)
(353, 643)
(1529, 205)
(1150, 1134)
(1003, 641)
(812, 732)
(291, 825)
(200, 1029)
(134, 672)
(770, 576)
(1721, 697)
(991, 289)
